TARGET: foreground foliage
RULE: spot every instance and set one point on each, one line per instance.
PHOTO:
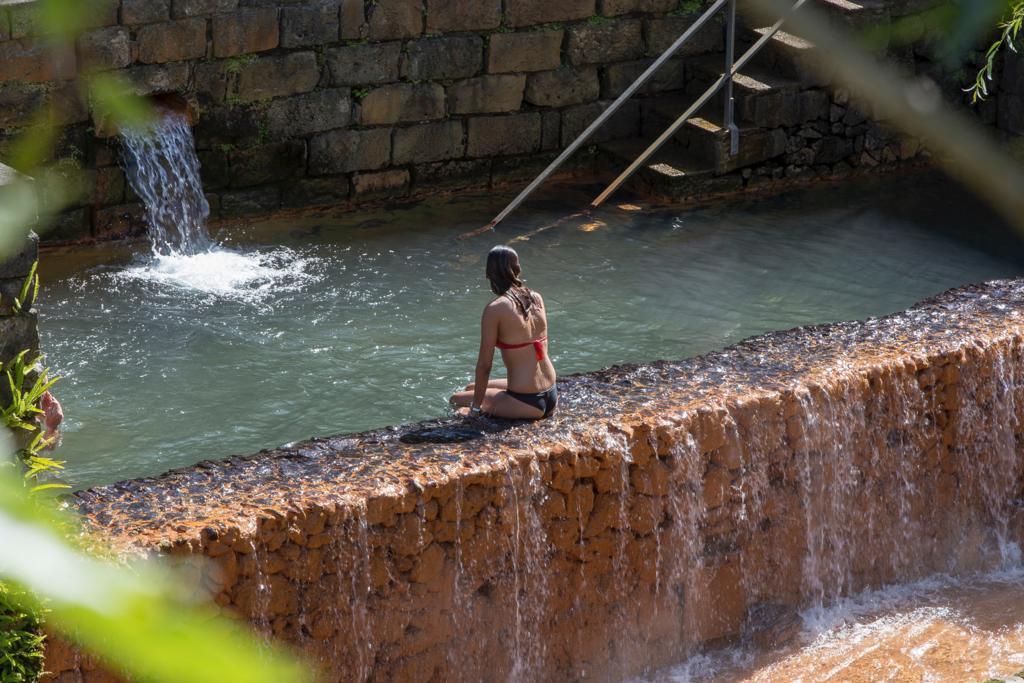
(1009, 30)
(134, 617)
(23, 413)
(21, 640)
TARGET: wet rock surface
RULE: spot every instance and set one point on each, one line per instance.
(652, 513)
(410, 457)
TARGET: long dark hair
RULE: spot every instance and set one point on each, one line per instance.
(504, 274)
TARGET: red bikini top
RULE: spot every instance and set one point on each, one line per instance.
(538, 346)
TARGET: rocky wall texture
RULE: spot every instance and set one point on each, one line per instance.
(315, 102)
(664, 507)
(300, 103)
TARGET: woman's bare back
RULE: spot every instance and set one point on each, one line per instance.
(526, 373)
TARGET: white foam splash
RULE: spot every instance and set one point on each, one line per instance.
(226, 273)
(852, 627)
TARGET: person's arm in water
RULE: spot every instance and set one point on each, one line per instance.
(484, 362)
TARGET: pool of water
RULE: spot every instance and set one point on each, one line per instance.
(322, 325)
(967, 630)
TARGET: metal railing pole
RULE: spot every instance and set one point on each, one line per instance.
(605, 115)
(730, 103)
(700, 102)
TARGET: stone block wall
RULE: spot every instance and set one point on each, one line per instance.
(664, 507)
(301, 103)
(307, 102)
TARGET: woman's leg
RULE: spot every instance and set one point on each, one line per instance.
(493, 384)
(498, 404)
(462, 399)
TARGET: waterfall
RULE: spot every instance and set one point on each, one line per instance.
(163, 169)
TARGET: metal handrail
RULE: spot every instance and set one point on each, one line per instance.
(606, 114)
(700, 102)
(730, 104)
(731, 68)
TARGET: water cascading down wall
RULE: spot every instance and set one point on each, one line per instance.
(662, 507)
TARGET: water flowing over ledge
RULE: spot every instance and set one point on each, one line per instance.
(665, 506)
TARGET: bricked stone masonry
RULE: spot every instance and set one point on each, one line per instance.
(312, 102)
(300, 103)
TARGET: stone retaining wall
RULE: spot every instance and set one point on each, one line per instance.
(302, 103)
(308, 102)
(664, 507)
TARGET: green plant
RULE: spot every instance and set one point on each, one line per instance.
(21, 639)
(359, 94)
(24, 406)
(233, 100)
(233, 65)
(37, 464)
(598, 20)
(1009, 27)
(687, 7)
(22, 413)
(30, 286)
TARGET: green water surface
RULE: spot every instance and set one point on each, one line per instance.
(319, 326)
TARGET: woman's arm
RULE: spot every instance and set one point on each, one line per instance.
(484, 361)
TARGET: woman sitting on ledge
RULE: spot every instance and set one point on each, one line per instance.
(516, 323)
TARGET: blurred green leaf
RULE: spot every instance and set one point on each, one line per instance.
(915, 107)
(18, 210)
(67, 18)
(910, 29)
(33, 147)
(126, 615)
(115, 104)
(952, 28)
(970, 20)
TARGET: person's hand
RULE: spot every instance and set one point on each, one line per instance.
(469, 413)
(51, 418)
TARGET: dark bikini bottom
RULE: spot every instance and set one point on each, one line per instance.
(544, 401)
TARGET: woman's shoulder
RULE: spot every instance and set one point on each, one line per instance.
(498, 304)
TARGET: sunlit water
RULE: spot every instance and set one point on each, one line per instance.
(937, 630)
(327, 325)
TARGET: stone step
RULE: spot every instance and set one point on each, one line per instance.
(790, 55)
(846, 14)
(671, 175)
(705, 139)
(785, 54)
(762, 97)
